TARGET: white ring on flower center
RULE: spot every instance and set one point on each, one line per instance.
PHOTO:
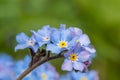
(43, 76)
(62, 44)
(31, 42)
(46, 38)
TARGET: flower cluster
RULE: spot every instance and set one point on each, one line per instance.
(91, 75)
(10, 70)
(78, 46)
(43, 72)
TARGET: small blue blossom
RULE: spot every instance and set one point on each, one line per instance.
(6, 60)
(25, 42)
(42, 36)
(90, 75)
(75, 58)
(66, 77)
(60, 39)
(46, 72)
(6, 68)
(84, 41)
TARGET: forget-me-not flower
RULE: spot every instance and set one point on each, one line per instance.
(46, 72)
(25, 42)
(85, 43)
(75, 58)
(90, 75)
(42, 36)
(59, 40)
(6, 67)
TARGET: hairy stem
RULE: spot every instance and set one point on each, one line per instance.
(29, 69)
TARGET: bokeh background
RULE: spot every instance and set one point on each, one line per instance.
(100, 19)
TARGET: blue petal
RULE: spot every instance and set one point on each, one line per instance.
(37, 36)
(93, 75)
(41, 43)
(55, 36)
(75, 31)
(65, 35)
(67, 65)
(44, 32)
(62, 26)
(66, 55)
(27, 59)
(53, 48)
(84, 56)
(35, 48)
(20, 46)
(72, 43)
(78, 66)
(90, 49)
(22, 38)
(84, 40)
(46, 27)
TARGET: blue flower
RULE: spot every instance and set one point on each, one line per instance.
(43, 72)
(46, 72)
(90, 75)
(85, 43)
(6, 67)
(42, 36)
(6, 73)
(59, 40)
(83, 39)
(66, 77)
(75, 58)
(6, 60)
(25, 42)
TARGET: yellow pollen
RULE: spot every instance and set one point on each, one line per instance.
(73, 57)
(83, 78)
(44, 76)
(62, 44)
(76, 41)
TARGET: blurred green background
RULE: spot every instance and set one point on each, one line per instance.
(100, 19)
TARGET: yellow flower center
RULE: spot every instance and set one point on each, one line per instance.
(62, 44)
(83, 78)
(76, 41)
(44, 76)
(73, 57)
